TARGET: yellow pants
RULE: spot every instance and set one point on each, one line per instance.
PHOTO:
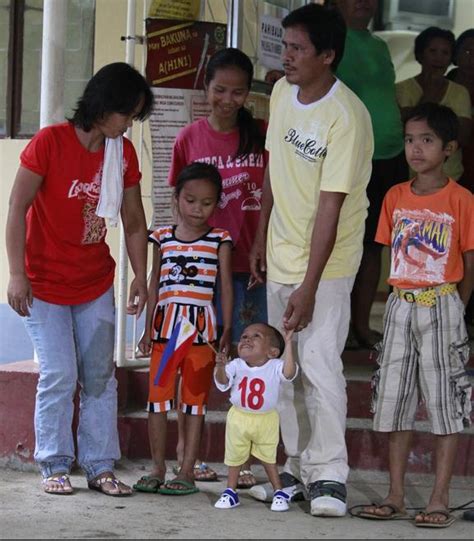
(248, 433)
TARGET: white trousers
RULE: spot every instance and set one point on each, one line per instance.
(313, 408)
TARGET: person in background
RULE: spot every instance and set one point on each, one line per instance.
(434, 51)
(366, 68)
(428, 222)
(71, 176)
(309, 245)
(232, 140)
(463, 74)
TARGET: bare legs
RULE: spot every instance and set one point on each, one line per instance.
(446, 447)
(157, 425)
(270, 469)
(399, 448)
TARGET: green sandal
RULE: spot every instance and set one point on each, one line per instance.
(188, 488)
(148, 483)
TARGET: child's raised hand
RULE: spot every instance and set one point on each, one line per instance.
(288, 335)
(221, 358)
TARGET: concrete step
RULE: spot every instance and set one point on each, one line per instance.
(367, 450)
(133, 391)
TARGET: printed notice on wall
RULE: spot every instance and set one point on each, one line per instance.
(178, 53)
(269, 44)
(175, 9)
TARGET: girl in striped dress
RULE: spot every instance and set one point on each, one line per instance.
(187, 259)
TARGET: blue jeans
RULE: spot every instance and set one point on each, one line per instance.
(75, 344)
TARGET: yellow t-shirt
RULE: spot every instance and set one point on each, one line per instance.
(456, 98)
(324, 146)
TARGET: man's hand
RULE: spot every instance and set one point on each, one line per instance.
(19, 294)
(137, 298)
(258, 262)
(300, 308)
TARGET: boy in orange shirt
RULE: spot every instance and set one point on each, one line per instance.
(429, 224)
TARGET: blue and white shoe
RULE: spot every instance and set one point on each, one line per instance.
(228, 500)
(281, 501)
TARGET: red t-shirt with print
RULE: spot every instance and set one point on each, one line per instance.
(67, 259)
(242, 181)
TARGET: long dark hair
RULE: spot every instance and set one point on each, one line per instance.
(250, 136)
(115, 88)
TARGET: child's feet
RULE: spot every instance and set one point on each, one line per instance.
(281, 501)
(438, 518)
(151, 483)
(383, 511)
(228, 500)
(183, 484)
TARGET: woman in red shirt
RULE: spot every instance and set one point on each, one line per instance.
(71, 176)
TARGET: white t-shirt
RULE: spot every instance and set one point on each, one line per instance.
(254, 388)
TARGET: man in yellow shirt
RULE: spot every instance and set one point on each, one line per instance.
(309, 244)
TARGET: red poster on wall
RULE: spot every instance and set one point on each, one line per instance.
(178, 51)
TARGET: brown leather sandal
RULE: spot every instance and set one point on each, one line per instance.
(100, 483)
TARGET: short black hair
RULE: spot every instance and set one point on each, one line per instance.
(276, 339)
(115, 88)
(459, 42)
(423, 39)
(441, 119)
(197, 170)
(325, 26)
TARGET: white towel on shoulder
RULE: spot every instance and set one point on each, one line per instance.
(111, 189)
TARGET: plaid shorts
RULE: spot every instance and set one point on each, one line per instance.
(423, 355)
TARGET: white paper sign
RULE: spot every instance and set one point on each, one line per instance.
(174, 109)
(270, 46)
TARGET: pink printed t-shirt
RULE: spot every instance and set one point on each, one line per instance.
(427, 234)
(67, 259)
(242, 181)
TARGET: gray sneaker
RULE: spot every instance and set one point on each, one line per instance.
(290, 484)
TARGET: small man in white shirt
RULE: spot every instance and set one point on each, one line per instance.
(252, 426)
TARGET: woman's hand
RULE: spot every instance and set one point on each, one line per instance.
(19, 294)
(137, 298)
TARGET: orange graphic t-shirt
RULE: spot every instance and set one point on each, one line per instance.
(427, 234)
